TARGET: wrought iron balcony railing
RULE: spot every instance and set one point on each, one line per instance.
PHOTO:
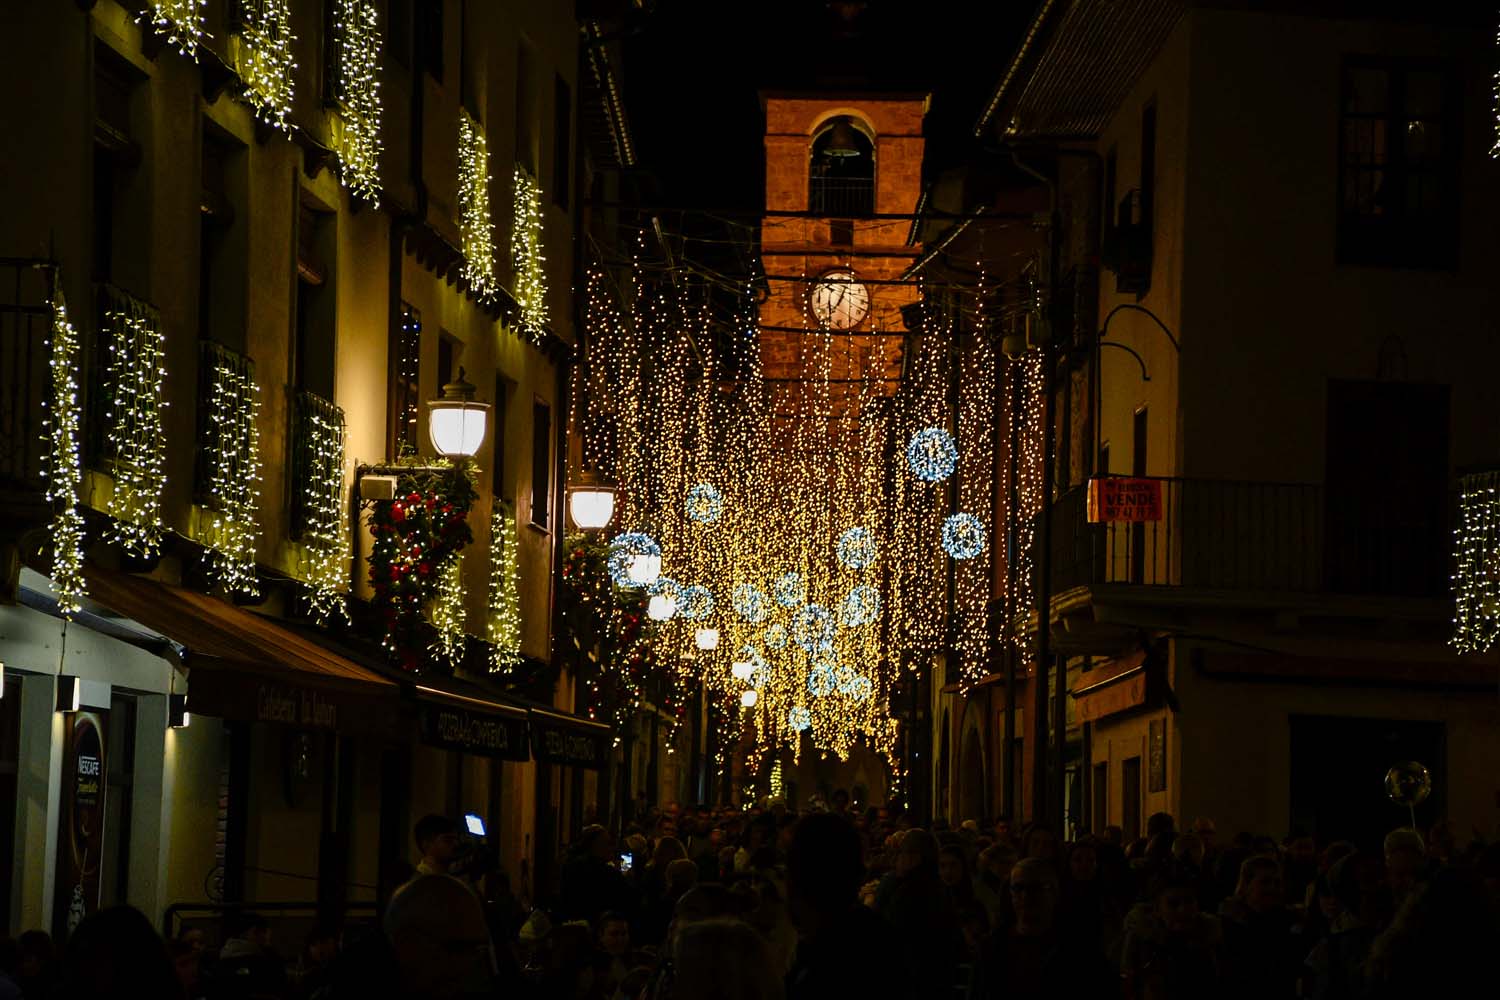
(1253, 536)
(845, 197)
(316, 454)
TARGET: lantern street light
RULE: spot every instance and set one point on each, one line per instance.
(591, 501)
(455, 423)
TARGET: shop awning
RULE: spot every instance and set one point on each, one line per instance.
(454, 718)
(246, 667)
(558, 738)
(1116, 686)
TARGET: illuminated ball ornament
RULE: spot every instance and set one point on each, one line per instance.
(631, 557)
(775, 637)
(843, 679)
(799, 719)
(857, 548)
(860, 606)
(790, 590)
(859, 688)
(749, 603)
(695, 603)
(932, 454)
(812, 628)
(666, 598)
(963, 536)
(704, 505)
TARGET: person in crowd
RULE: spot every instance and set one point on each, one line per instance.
(1175, 954)
(1263, 957)
(314, 969)
(953, 872)
(116, 953)
(590, 882)
(246, 965)
(992, 882)
(434, 927)
(187, 961)
(1441, 942)
(37, 971)
(1089, 909)
(1158, 823)
(914, 900)
(612, 931)
(1038, 841)
(1113, 835)
(437, 840)
(10, 960)
(1405, 862)
(1353, 902)
(1299, 864)
(843, 948)
(723, 959)
(1032, 958)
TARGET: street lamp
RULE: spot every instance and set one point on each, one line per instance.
(661, 608)
(749, 698)
(706, 639)
(591, 501)
(456, 423)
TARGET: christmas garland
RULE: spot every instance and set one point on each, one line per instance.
(414, 537)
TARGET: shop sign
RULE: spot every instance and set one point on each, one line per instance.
(251, 696)
(1122, 498)
(80, 825)
(470, 731)
(290, 706)
(560, 740)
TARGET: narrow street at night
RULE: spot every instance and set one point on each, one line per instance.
(674, 500)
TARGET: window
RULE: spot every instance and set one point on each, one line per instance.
(527, 140)
(562, 126)
(541, 463)
(222, 263)
(841, 171)
(403, 399)
(312, 360)
(120, 205)
(500, 487)
(399, 31)
(429, 36)
(1148, 165)
(448, 351)
(1398, 168)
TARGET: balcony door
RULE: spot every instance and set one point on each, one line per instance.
(1386, 498)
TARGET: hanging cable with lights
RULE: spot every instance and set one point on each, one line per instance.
(448, 612)
(181, 23)
(1476, 581)
(503, 626)
(135, 431)
(64, 461)
(474, 223)
(325, 539)
(357, 128)
(264, 59)
(233, 484)
(527, 258)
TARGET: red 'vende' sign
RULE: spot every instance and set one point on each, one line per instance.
(1120, 498)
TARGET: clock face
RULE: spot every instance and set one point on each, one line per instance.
(838, 301)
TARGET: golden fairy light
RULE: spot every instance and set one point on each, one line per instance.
(357, 127)
(233, 487)
(181, 23)
(474, 222)
(264, 59)
(64, 465)
(134, 421)
(527, 258)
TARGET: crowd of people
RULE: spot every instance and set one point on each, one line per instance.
(764, 904)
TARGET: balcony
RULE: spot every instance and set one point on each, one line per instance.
(25, 332)
(1270, 538)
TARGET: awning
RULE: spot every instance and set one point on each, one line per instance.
(470, 722)
(566, 739)
(1112, 687)
(246, 667)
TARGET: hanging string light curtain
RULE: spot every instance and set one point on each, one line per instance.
(1476, 582)
(475, 226)
(181, 23)
(135, 438)
(527, 259)
(232, 452)
(357, 127)
(64, 459)
(325, 536)
(264, 59)
(448, 612)
(503, 628)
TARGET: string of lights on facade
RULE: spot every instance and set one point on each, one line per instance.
(503, 624)
(475, 225)
(264, 59)
(448, 613)
(325, 536)
(527, 259)
(64, 459)
(135, 435)
(357, 135)
(180, 22)
(1476, 583)
(233, 488)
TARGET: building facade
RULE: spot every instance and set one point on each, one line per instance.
(279, 230)
(1266, 318)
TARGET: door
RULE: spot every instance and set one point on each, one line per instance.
(1100, 791)
(1130, 799)
(1338, 769)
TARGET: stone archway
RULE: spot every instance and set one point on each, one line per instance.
(972, 786)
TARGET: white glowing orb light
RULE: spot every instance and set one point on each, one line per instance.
(706, 639)
(741, 670)
(643, 568)
(749, 698)
(591, 503)
(661, 608)
(799, 718)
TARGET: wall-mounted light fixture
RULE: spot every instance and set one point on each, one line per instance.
(69, 693)
(177, 711)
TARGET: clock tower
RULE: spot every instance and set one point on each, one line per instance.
(843, 174)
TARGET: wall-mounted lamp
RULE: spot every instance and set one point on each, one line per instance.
(69, 693)
(456, 423)
(177, 711)
(591, 501)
